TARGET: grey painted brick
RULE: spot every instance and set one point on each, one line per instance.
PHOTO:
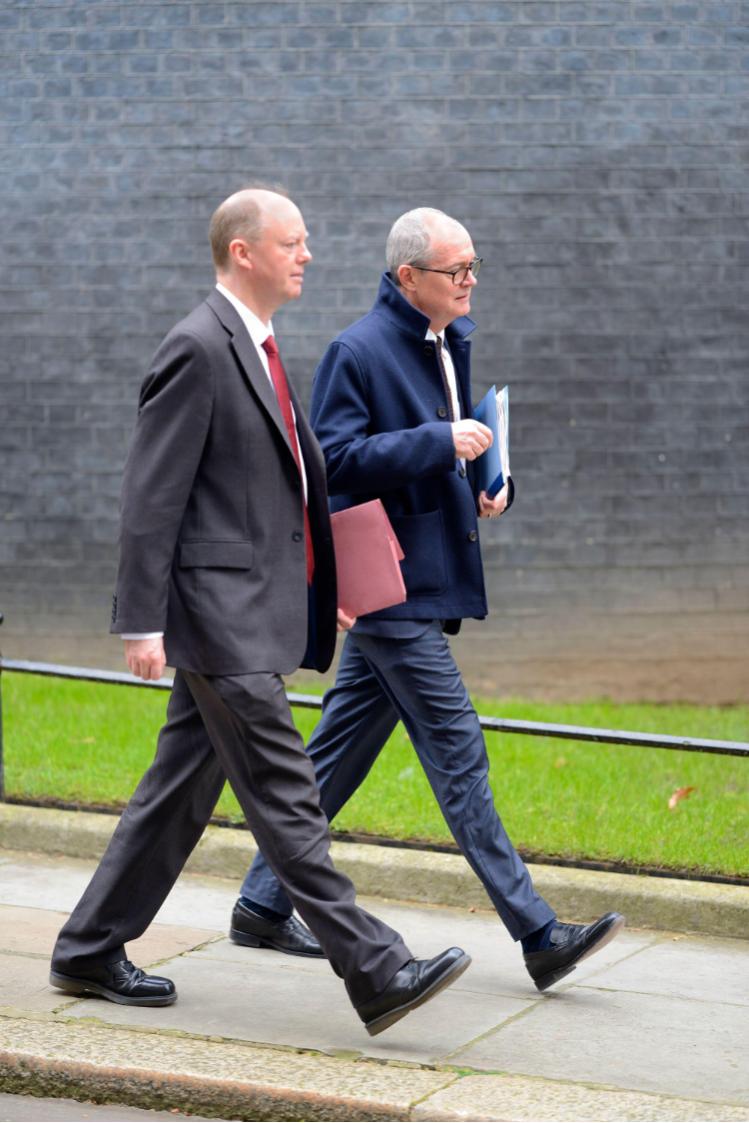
(67, 15)
(594, 150)
(10, 19)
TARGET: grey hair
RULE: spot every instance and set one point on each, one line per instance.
(410, 238)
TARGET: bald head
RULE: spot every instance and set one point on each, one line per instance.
(413, 236)
(245, 214)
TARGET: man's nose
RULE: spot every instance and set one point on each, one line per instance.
(305, 255)
(470, 280)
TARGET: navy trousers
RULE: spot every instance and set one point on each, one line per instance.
(380, 680)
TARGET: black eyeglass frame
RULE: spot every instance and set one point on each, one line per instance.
(473, 268)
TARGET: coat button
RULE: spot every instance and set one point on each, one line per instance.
(441, 411)
(462, 472)
(472, 535)
(428, 350)
(297, 536)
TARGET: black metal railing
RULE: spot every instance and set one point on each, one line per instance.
(313, 702)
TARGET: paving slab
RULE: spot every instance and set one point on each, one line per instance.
(25, 984)
(34, 1108)
(682, 968)
(276, 1004)
(34, 930)
(643, 1042)
(476, 1099)
(32, 879)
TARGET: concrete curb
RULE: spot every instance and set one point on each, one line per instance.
(417, 875)
(42, 1056)
(45, 1057)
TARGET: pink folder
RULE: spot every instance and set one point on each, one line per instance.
(368, 556)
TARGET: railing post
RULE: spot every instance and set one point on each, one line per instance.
(2, 771)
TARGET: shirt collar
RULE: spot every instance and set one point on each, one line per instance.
(430, 335)
(259, 331)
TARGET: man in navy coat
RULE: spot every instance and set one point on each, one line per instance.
(391, 408)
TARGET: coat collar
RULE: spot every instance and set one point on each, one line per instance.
(392, 303)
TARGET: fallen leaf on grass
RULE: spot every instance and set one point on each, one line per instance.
(678, 796)
(560, 762)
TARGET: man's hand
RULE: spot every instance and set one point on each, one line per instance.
(470, 438)
(145, 657)
(345, 622)
(490, 508)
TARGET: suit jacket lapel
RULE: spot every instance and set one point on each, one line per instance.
(249, 362)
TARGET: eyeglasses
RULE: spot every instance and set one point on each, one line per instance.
(460, 275)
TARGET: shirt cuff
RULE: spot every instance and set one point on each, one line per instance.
(141, 635)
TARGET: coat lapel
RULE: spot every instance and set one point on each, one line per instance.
(249, 362)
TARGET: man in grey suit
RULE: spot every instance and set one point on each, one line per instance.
(227, 573)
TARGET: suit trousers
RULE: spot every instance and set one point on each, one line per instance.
(381, 679)
(237, 727)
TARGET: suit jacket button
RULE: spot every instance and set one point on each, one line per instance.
(297, 536)
(472, 535)
(428, 349)
(441, 411)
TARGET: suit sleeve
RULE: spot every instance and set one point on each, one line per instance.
(358, 459)
(174, 413)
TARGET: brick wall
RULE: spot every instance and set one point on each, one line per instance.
(597, 151)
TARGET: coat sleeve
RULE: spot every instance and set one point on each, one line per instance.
(358, 459)
(174, 412)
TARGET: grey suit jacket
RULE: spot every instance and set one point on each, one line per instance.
(212, 548)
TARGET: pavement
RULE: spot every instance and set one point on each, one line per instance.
(655, 1027)
(61, 1110)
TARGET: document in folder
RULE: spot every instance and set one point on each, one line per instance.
(493, 466)
(367, 556)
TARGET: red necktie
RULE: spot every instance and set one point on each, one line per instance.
(281, 386)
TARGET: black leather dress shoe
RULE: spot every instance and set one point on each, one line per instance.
(415, 983)
(121, 982)
(570, 943)
(289, 935)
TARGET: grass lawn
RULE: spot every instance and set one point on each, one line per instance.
(90, 743)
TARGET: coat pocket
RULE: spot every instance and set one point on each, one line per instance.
(422, 539)
(216, 555)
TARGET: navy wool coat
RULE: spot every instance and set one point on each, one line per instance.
(379, 412)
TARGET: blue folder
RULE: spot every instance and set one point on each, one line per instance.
(493, 466)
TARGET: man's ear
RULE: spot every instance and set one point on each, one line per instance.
(240, 253)
(406, 277)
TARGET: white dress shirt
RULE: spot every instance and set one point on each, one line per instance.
(449, 371)
(452, 382)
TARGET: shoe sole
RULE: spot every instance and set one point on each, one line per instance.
(246, 941)
(71, 985)
(377, 1025)
(556, 976)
